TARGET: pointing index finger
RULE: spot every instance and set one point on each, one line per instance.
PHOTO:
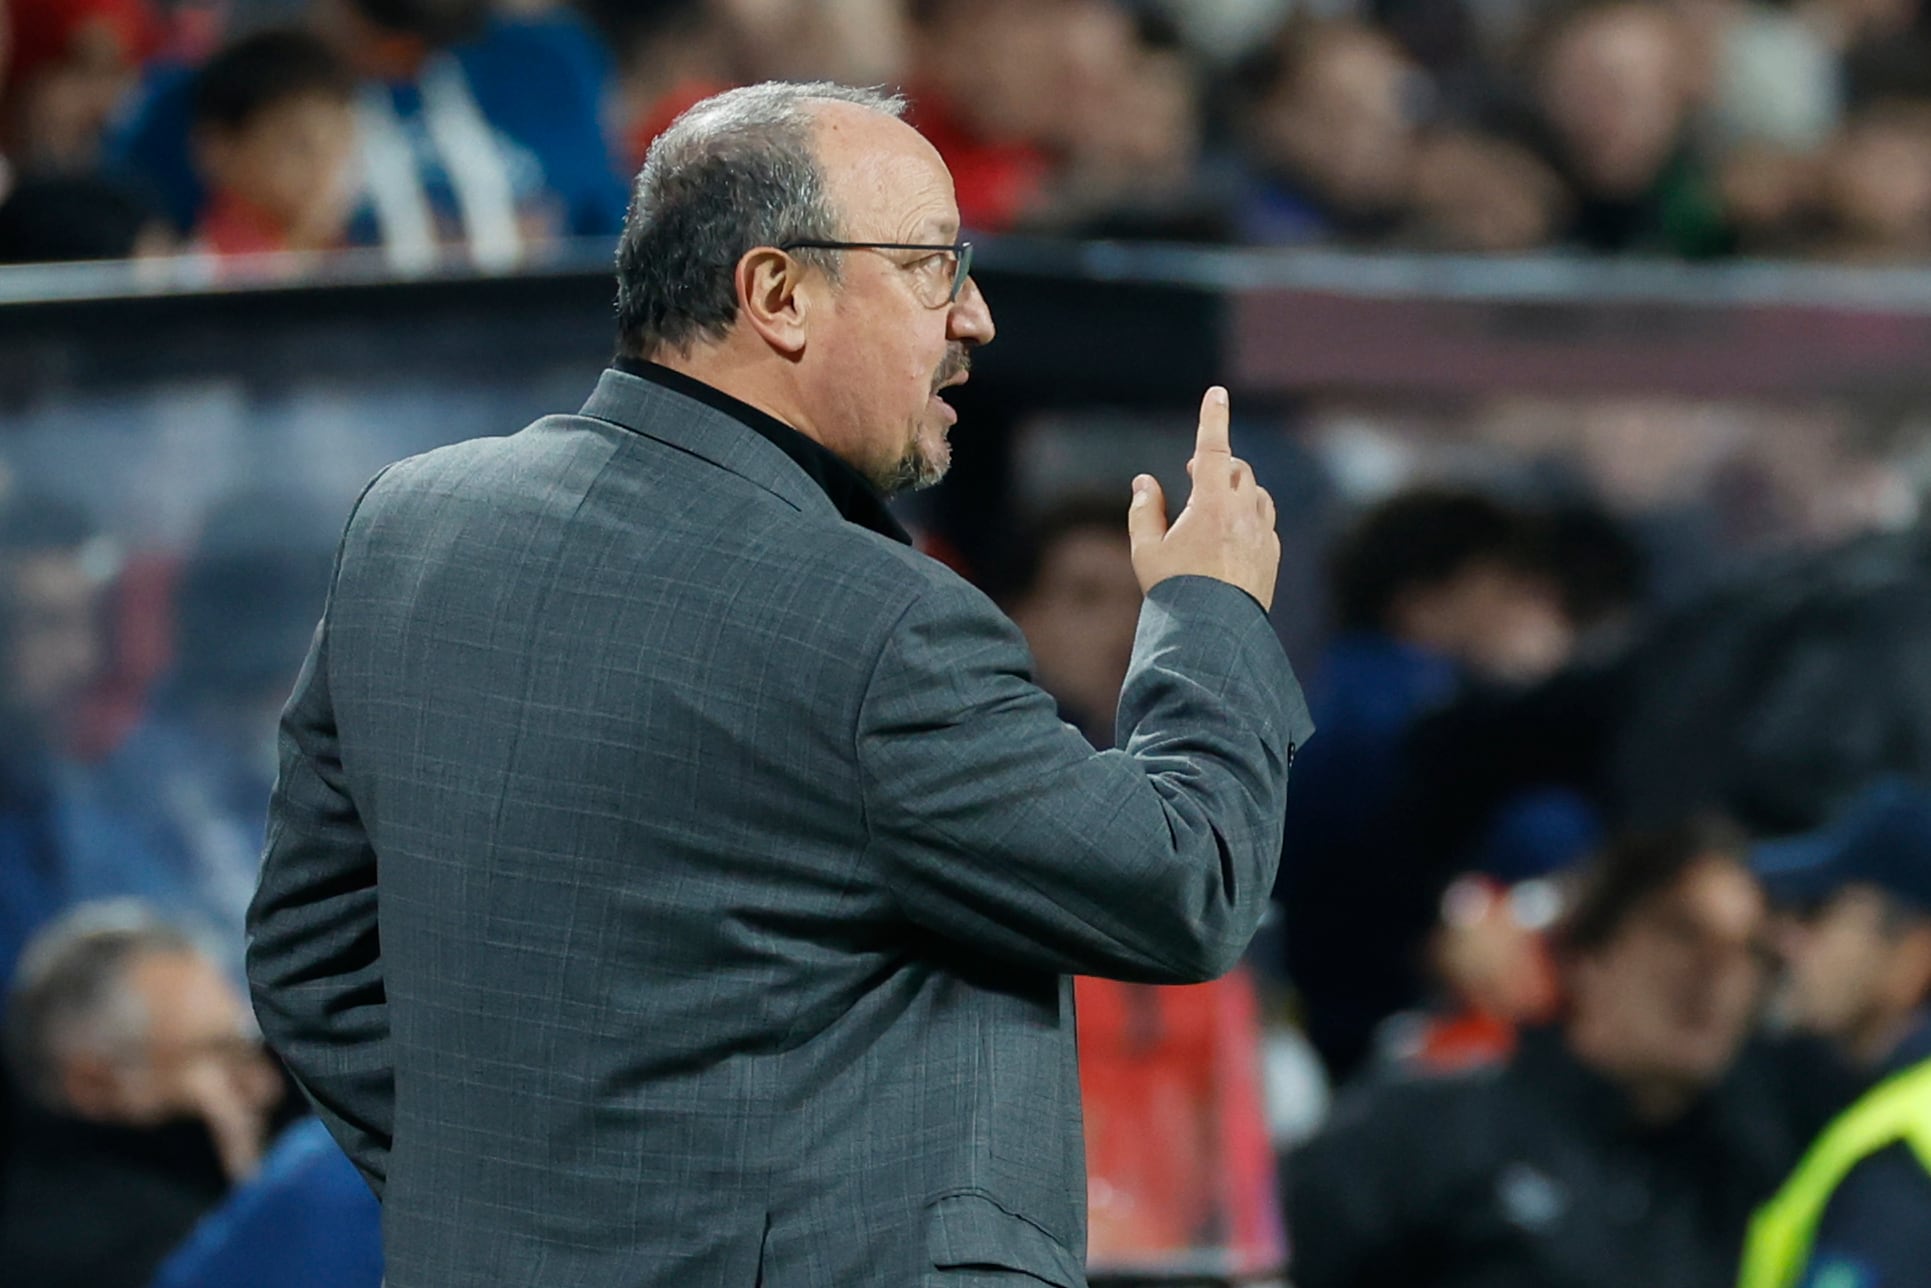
(1213, 425)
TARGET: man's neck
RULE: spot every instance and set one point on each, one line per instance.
(1654, 1099)
(1878, 1038)
(1656, 1102)
(720, 369)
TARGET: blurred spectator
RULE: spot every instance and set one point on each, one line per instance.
(1616, 89)
(1491, 957)
(149, 1099)
(74, 64)
(1179, 1165)
(1855, 924)
(1132, 171)
(853, 42)
(1003, 90)
(54, 563)
(60, 218)
(306, 1220)
(472, 131)
(1628, 1145)
(1433, 591)
(193, 780)
(1069, 585)
(1776, 698)
(1330, 124)
(1483, 195)
(274, 125)
(58, 843)
(1876, 187)
(670, 55)
(1857, 940)
(1769, 197)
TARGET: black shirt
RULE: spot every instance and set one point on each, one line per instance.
(1536, 1174)
(854, 496)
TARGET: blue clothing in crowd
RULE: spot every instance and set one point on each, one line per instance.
(1351, 902)
(198, 807)
(1360, 883)
(537, 86)
(306, 1220)
(60, 845)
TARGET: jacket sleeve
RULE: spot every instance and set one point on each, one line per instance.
(996, 825)
(314, 954)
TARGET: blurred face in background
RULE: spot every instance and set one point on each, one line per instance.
(54, 649)
(1877, 185)
(1614, 85)
(1667, 1001)
(1023, 69)
(1080, 617)
(1856, 970)
(1143, 125)
(1341, 120)
(1502, 622)
(1483, 195)
(75, 62)
(295, 162)
(191, 1057)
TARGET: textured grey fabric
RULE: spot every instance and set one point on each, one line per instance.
(670, 883)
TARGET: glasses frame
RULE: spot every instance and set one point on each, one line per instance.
(961, 257)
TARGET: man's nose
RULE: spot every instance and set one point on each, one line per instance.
(970, 318)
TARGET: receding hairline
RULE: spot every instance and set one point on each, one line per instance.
(826, 117)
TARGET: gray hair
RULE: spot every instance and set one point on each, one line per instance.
(734, 172)
(69, 992)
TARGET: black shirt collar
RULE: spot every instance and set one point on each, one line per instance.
(853, 495)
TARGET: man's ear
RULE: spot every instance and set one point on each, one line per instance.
(773, 300)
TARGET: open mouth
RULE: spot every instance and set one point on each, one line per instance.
(950, 382)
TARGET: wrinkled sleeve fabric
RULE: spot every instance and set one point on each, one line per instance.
(993, 823)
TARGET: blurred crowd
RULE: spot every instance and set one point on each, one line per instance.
(1607, 885)
(1596, 916)
(1603, 896)
(489, 129)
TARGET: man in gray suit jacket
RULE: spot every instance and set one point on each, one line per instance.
(673, 877)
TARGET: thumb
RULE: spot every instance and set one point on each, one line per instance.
(1146, 517)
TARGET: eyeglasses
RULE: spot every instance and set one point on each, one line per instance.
(935, 289)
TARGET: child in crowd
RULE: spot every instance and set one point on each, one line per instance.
(275, 146)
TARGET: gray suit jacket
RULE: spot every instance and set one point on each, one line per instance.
(671, 883)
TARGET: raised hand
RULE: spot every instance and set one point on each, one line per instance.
(1227, 530)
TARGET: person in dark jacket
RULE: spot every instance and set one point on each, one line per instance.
(1435, 591)
(148, 1099)
(1857, 940)
(1626, 1145)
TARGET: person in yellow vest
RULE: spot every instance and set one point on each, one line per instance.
(1856, 1213)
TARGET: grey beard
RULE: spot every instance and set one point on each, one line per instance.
(912, 472)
